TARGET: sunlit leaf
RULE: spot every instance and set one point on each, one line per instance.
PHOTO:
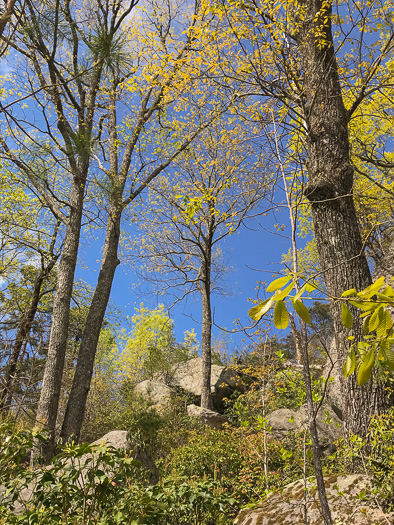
(278, 283)
(350, 363)
(284, 293)
(257, 311)
(302, 311)
(385, 324)
(348, 293)
(366, 367)
(346, 316)
(366, 329)
(364, 305)
(376, 319)
(310, 287)
(372, 288)
(281, 317)
(299, 294)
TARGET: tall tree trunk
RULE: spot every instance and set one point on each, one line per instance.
(76, 405)
(50, 391)
(329, 190)
(206, 332)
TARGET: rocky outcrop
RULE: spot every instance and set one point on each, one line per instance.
(158, 393)
(329, 426)
(349, 496)
(119, 439)
(208, 417)
(187, 377)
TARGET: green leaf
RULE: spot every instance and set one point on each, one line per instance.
(372, 288)
(388, 292)
(385, 324)
(385, 298)
(366, 329)
(366, 367)
(346, 316)
(302, 311)
(284, 293)
(278, 283)
(281, 317)
(310, 287)
(363, 305)
(350, 363)
(298, 294)
(376, 318)
(362, 348)
(257, 312)
(387, 352)
(348, 293)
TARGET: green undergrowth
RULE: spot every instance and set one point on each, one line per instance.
(206, 475)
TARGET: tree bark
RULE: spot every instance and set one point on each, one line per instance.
(206, 332)
(50, 391)
(76, 405)
(330, 192)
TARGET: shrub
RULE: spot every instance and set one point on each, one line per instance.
(373, 455)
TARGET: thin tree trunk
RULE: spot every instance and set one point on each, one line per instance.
(50, 392)
(206, 333)
(26, 322)
(76, 405)
(23, 332)
(329, 190)
(321, 489)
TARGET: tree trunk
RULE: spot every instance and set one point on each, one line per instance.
(329, 190)
(23, 332)
(50, 391)
(206, 332)
(301, 339)
(76, 405)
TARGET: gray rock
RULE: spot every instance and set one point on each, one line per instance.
(118, 439)
(329, 426)
(208, 417)
(188, 377)
(158, 393)
(287, 507)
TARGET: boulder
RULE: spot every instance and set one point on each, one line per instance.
(187, 376)
(329, 426)
(119, 439)
(345, 496)
(158, 393)
(208, 417)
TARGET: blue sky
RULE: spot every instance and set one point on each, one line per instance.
(255, 255)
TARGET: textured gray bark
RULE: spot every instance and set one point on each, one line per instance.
(329, 189)
(76, 405)
(206, 332)
(50, 391)
(118, 175)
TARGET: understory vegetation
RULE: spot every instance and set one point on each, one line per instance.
(205, 475)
